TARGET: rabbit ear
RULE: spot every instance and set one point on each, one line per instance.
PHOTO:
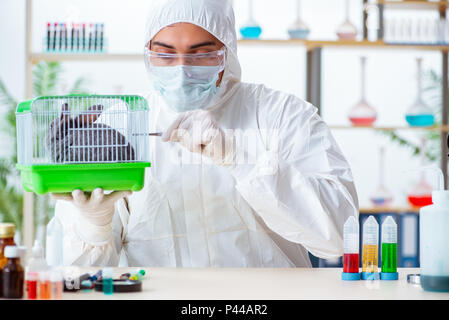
(90, 116)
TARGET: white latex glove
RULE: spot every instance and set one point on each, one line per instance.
(198, 132)
(96, 212)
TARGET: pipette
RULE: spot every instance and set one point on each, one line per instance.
(351, 250)
(389, 250)
(370, 249)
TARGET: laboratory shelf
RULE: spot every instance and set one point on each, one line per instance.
(381, 210)
(36, 57)
(393, 128)
(313, 44)
(414, 5)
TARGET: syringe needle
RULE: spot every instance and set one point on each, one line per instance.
(154, 134)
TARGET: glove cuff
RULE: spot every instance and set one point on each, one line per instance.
(91, 233)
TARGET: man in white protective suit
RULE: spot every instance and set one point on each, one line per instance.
(243, 175)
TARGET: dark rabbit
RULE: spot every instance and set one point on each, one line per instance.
(80, 139)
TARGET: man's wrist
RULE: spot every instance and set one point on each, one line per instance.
(91, 233)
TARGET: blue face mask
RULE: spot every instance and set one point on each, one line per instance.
(184, 87)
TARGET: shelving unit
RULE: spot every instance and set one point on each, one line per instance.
(398, 210)
(313, 79)
(414, 5)
(379, 128)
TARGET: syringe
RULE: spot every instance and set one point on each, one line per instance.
(351, 250)
(370, 249)
(389, 250)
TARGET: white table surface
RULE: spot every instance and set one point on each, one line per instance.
(261, 284)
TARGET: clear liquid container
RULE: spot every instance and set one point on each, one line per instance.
(421, 194)
(419, 114)
(251, 29)
(347, 30)
(370, 249)
(351, 250)
(381, 197)
(389, 250)
(434, 240)
(35, 265)
(362, 114)
(108, 282)
(298, 30)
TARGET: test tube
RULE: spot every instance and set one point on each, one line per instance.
(370, 249)
(108, 285)
(351, 250)
(389, 250)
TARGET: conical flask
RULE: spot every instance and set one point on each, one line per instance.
(381, 197)
(362, 114)
(298, 30)
(421, 194)
(419, 114)
(347, 30)
(251, 29)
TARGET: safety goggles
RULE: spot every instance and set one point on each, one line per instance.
(158, 59)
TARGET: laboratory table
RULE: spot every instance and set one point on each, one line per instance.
(260, 284)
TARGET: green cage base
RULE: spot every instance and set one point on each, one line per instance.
(64, 178)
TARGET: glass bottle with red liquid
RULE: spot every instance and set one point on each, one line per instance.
(362, 114)
(351, 250)
(421, 194)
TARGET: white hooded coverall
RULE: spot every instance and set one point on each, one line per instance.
(293, 197)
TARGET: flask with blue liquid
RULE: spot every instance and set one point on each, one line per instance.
(419, 114)
(298, 30)
(251, 29)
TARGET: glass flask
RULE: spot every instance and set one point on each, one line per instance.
(347, 30)
(362, 114)
(298, 30)
(421, 194)
(381, 197)
(251, 29)
(419, 114)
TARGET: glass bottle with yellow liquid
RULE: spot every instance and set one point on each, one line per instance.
(370, 250)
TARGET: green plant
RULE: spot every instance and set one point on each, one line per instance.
(47, 77)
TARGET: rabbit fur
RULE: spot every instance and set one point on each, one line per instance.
(80, 139)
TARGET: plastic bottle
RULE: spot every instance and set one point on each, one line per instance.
(370, 249)
(7, 231)
(434, 240)
(53, 249)
(351, 250)
(44, 285)
(389, 250)
(56, 284)
(35, 265)
(12, 274)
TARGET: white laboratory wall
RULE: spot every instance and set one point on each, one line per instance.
(390, 74)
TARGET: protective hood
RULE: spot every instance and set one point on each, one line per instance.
(214, 16)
